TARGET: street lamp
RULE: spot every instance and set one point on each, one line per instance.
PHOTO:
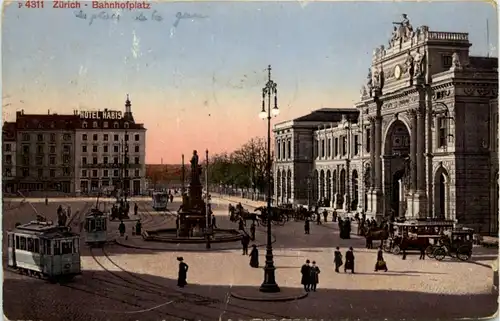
(347, 128)
(269, 285)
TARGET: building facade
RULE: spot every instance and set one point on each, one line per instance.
(9, 157)
(423, 141)
(111, 152)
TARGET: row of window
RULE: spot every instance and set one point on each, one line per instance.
(106, 159)
(39, 160)
(116, 149)
(41, 137)
(105, 137)
(105, 124)
(66, 171)
(40, 149)
(323, 147)
(106, 173)
(284, 150)
(43, 246)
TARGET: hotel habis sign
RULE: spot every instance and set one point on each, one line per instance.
(98, 114)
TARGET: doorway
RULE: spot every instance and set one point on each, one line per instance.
(397, 192)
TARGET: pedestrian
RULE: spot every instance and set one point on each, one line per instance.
(380, 265)
(46, 201)
(422, 252)
(252, 232)
(245, 240)
(337, 259)
(171, 198)
(307, 226)
(136, 208)
(325, 215)
(138, 227)
(318, 219)
(182, 276)
(334, 215)
(121, 228)
(349, 260)
(314, 276)
(306, 276)
(214, 222)
(254, 257)
(241, 224)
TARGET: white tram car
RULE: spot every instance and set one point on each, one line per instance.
(160, 200)
(96, 223)
(45, 250)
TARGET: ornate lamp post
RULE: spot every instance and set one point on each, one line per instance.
(269, 284)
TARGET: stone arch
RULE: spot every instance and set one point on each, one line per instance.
(283, 186)
(397, 137)
(321, 184)
(355, 190)
(289, 185)
(442, 193)
(328, 185)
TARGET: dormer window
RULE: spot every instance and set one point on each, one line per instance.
(115, 125)
(105, 124)
(126, 125)
(84, 124)
(94, 124)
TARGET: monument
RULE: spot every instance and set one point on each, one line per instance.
(192, 213)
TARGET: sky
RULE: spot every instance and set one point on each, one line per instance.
(196, 82)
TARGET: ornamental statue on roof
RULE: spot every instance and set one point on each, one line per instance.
(402, 31)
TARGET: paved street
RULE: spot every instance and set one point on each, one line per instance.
(120, 283)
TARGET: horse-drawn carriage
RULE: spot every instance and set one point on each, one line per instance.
(414, 234)
(457, 242)
(279, 216)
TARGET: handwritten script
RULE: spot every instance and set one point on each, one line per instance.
(180, 16)
(103, 15)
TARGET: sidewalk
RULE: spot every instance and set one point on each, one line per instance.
(243, 201)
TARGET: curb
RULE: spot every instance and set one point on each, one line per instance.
(269, 299)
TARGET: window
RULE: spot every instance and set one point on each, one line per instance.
(105, 160)
(52, 149)
(368, 140)
(39, 149)
(84, 137)
(137, 173)
(66, 159)
(26, 149)
(105, 137)
(40, 137)
(8, 159)
(136, 149)
(115, 149)
(39, 161)
(105, 124)
(26, 137)
(105, 173)
(136, 160)
(126, 137)
(94, 160)
(278, 150)
(126, 159)
(315, 148)
(336, 147)
(84, 148)
(115, 138)
(115, 173)
(344, 145)
(94, 149)
(322, 148)
(8, 147)
(66, 137)
(66, 149)
(52, 137)
(125, 125)
(115, 160)
(84, 173)
(94, 124)
(52, 160)
(136, 137)
(22, 244)
(30, 244)
(356, 144)
(66, 171)
(26, 160)
(94, 172)
(329, 148)
(36, 247)
(115, 125)
(126, 173)
(84, 125)
(57, 247)
(40, 173)
(442, 132)
(8, 172)
(52, 173)
(446, 61)
(95, 137)
(84, 160)
(105, 148)
(289, 149)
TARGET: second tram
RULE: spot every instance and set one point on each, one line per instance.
(160, 200)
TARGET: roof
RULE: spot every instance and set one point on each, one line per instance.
(46, 121)
(46, 229)
(9, 131)
(329, 115)
(489, 63)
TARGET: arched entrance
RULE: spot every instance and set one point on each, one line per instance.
(396, 168)
(283, 186)
(328, 188)
(355, 190)
(289, 186)
(342, 188)
(322, 185)
(441, 193)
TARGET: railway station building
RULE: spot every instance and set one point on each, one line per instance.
(420, 143)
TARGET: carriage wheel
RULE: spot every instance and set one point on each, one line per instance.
(387, 247)
(429, 251)
(396, 249)
(464, 253)
(439, 254)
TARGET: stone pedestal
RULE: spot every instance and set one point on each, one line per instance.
(420, 205)
(378, 205)
(410, 208)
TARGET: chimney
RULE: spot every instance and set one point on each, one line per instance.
(48, 111)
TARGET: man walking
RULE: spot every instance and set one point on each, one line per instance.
(325, 215)
(306, 276)
(245, 240)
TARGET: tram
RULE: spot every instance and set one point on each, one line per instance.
(96, 227)
(160, 200)
(42, 249)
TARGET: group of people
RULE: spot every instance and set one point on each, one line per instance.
(63, 215)
(310, 276)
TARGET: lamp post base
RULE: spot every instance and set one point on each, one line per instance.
(269, 288)
(269, 285)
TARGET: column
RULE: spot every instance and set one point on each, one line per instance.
(413, 149)
(421, 150)
(378, 153)
(372, 152)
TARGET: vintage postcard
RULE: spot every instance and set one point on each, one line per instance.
(242, 160)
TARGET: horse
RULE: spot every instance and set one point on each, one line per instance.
(379, 234)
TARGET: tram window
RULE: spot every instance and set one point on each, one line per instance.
(92, 225)
(31, 245)
(37, 246)
(87, 225)
(67, 247)
(48, 249)
(57, 247)
(98, 225)
(22, 245)
(104, 225)
(76, 246)
(17, 242)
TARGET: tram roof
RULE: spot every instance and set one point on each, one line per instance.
(47, 229)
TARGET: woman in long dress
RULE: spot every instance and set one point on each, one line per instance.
(349, 260)
(183, 269)
(254, 257)
(380, 265)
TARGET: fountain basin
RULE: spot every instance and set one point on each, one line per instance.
(169, 235)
